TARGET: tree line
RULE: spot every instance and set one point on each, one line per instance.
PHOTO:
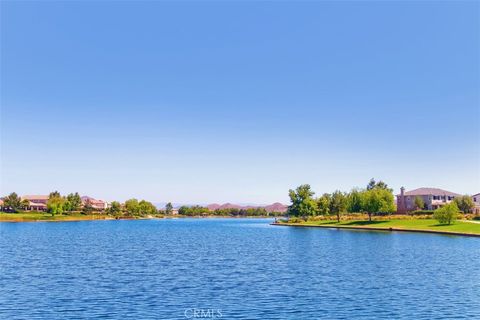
(58, 204)
(235, 212)
(376, 198)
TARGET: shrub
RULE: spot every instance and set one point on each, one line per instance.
(318, 218)
(422, 212)
(419, 203)
(295, 220)
(446, 214)
(465, 203)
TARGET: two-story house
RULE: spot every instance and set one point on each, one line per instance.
(433, 198)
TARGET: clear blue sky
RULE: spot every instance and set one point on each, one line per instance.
(200, 102)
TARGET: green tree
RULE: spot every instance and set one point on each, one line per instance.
(87, 207)
(25, 204)
(465, 203)
(195, 210)
(73, 202)
(338, 204)
(132, 207)
(354, 201)
(54, 194)
(419, 203)
(169, 208)
(12, 201)
(253, 212)
(323, 204)
(377, 200)
(303, 203)
(184, 211)
(115, 208)
(147, 208)
(372, 184)
(447, 213)
(55, 204)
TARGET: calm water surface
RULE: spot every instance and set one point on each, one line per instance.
(244, 268)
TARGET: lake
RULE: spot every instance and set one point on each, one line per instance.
(232, 269)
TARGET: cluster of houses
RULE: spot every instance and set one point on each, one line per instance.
(39, 202)
(433, 198)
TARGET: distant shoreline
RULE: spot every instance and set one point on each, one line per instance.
(12, 218)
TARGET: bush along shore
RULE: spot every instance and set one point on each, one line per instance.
(373, 208)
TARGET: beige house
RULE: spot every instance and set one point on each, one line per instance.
(96, 204)
(36, 202)
(433, 198)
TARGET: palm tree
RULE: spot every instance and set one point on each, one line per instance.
(25, 204)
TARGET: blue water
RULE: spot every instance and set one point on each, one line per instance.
(232, 269)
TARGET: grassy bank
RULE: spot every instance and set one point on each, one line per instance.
(427, 225)
(43, 216)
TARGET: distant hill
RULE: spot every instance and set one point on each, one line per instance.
(276, 207)
(213, 206)
(231, 206)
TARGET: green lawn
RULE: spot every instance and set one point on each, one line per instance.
(418, 224)
(43, 216)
